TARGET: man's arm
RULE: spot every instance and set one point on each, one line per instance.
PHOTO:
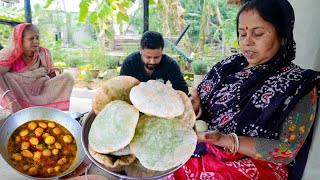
(176, 78)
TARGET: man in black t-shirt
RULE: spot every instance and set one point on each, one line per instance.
(150, 63)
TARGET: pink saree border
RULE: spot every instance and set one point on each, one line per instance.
(61, 105)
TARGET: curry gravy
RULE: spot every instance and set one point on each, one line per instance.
(42, 148)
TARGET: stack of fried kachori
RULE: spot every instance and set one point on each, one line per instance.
(161, 139)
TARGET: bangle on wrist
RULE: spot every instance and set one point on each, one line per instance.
(236, 141)
(5, 94)
(12, 101)
(235, 144)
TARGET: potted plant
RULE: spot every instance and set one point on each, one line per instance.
(199, 68)
(94, 73)
(74, 62)
(111, 63)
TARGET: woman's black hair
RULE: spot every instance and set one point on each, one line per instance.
(270, 11)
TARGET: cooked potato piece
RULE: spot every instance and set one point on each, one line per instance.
(50, 146)
(32, 126)
(65, 152)
(37, 156)
(56, 131)
(33, 171)
(55, 151)
(25, 145)
(16, 157)
(51, 125)
(67, 139)
(57, 168)
(49, 140)
(62, 161)
(46, 152)
(23, 132)
(27, 153)
(38, 131)
(40, 147)
(45, 135)
(26, 167)
(18, 138)
(57, 145)
(50, 170)
(34, 141)
(43, 125)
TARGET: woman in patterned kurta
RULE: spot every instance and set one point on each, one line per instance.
(262, 97)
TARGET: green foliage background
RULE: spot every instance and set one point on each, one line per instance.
(100, 23)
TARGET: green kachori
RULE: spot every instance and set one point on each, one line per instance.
(161, 144)
(114, 127)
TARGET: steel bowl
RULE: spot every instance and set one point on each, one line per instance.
(41, 113)
(84, 139)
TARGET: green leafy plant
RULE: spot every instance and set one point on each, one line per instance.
(57, 52)
(87, 76)
(189, 83)
(99, 60)
(112, 62)
(74, 60)
(10, 13)
(199, 67)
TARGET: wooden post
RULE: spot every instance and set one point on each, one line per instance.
(145, 15)
(27, 11)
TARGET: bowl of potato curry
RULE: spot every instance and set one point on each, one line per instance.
(41, 142)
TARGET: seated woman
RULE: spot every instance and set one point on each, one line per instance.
(258, 105)
(27, 75)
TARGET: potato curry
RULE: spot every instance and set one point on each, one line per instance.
(42, 148)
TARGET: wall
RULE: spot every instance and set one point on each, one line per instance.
(307, 33)
(307, 36)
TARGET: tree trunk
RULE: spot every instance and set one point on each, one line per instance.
(202, 34)
(67, 33)
(166, 14)
(223, 41)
